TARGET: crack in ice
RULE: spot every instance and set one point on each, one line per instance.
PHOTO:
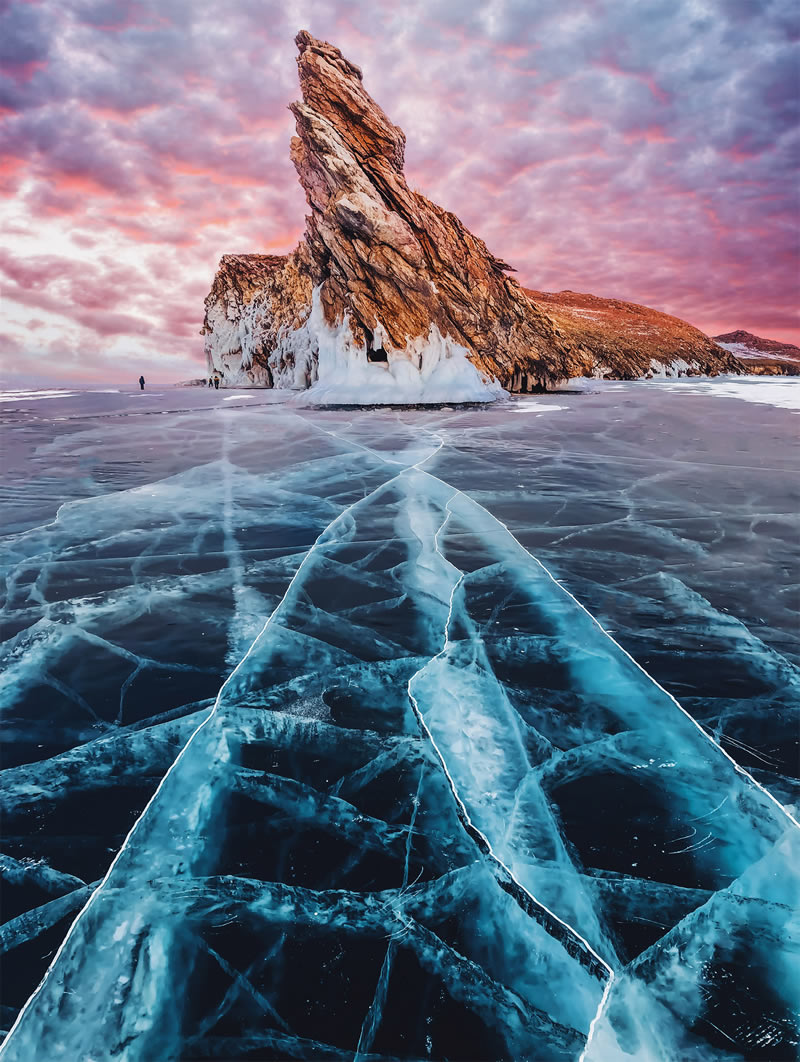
(740, 770)
(211, 714)
(737, 767)
(472, 829)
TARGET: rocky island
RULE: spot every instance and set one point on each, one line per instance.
(389, 298)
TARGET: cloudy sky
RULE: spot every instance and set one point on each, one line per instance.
(639, 149)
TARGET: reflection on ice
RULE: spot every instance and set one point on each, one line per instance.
(433, 810)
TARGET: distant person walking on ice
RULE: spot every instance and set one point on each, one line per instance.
(141, 383)
(211, 381)
(216, 383)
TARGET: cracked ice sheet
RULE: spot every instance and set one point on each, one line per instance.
(567, 470)
(674, 519)
(125, 609)
(332, 854)
(572, 762)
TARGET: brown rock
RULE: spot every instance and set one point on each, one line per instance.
(386, 256)
(758, 343)
(255, 300)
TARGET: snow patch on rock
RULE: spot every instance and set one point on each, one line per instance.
(294, 360)
(677, 367)
(239, 330)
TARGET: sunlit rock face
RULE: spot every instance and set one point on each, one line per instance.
(411, 305)
(625, 341)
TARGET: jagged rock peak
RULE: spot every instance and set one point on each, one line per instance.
(333, 86)
(389, 260)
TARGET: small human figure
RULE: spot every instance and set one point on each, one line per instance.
(216, 383)
(211, 381)
(141, 383)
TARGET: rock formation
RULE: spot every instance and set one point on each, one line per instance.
(392, 292)
(255, 301)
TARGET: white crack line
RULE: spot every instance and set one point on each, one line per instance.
(421, 721)
(737, 767)
(368, 449)
(462, 807)
(212, 712)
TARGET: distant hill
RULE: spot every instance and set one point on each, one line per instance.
(768, 357)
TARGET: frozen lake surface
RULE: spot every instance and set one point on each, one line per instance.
(448, 733)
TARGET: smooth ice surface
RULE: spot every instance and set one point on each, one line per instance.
(325, 704)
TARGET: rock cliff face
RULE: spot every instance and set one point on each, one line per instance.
(256, 301)
(388, 296)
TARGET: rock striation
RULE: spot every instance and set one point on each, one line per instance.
(386, 287)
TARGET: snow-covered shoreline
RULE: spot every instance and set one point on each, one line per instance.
(783, 392)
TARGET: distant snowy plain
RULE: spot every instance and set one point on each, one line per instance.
(444, 733)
